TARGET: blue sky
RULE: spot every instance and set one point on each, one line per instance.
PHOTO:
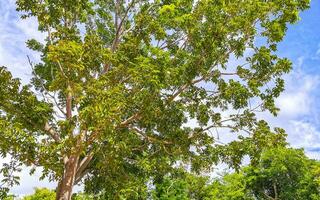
(300, 105)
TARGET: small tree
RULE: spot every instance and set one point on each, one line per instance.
(181, 185)
(230, 187)
(46, 194)
(119, 80)
(41, 194)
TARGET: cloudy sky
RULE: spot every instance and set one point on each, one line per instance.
(299, 104)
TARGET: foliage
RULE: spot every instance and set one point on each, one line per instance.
(230, 187)
(41, 194)
(281, 173)
(118, 82)
(181, 185)
(190, 186)
(8, 178)
(172, 189)
(284, 174)
(82, 196)
(9, 197)
(46, 194)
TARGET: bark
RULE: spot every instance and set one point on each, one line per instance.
(82, 167)
(65, 186)
(69, 104)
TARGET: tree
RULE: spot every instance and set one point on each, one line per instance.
(181, 185)
(280, 173)
(119, 80)
(284, 173)
(231, 186)
(41, 194)
(47, 194)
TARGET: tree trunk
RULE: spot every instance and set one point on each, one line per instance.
(65, 186)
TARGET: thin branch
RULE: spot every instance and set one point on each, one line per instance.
(228, 74)
(129, 120)
(57, 104)
(41, 82)
(83, 165)
(123, 124)
(268, 197)
(125, 16)
(44, 88)
(119, 27)
(80, 176)
(59, 64)
(52, 132)
(275, 191)
(149, 138)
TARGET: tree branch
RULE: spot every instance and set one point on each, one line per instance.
(149, 138)
(52, 132)
(118, 26)
(275, 191)
(228, 74)
(69, 103)
(129, 120)
(82, 166)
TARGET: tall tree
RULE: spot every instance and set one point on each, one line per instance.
(119, 80)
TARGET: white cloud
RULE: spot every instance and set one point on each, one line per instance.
(303, 134)
(298, 98)
(14, 32)
(298, 114)
(29, 28)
